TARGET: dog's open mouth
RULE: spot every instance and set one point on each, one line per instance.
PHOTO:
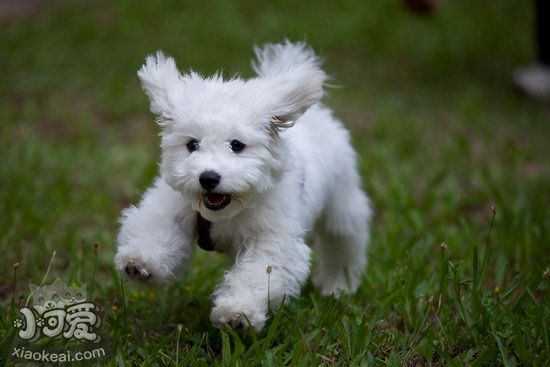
(216, 201)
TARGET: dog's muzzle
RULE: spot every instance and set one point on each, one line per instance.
(215, 201)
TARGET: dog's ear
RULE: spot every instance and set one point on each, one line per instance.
(162, 82)
(293, 93)
(293, 80)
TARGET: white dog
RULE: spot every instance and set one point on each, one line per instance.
(250, 168)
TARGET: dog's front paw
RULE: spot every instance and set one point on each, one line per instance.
(237, 315)
(135, 269)
(133, 264)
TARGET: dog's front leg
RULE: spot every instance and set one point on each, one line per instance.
(265, 273)
(156, 237)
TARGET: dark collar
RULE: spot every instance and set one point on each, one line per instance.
(203, 233)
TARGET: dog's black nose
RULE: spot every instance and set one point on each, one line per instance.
(209, 180)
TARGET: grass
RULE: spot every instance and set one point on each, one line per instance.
(442, 136)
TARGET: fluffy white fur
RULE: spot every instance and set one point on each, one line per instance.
(297, 177)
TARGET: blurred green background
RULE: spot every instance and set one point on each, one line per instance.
(442, 136)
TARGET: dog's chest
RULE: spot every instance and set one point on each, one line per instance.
(221, 237)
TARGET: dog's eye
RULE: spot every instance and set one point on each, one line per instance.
(237, 146)
(192, 145)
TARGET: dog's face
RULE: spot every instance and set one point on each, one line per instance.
(216, 153)
(220, 142)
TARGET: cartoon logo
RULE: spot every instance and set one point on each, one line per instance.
(60, 313)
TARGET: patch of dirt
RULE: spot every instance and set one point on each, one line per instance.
(18, 9)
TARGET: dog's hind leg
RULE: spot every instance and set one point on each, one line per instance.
(340, 241)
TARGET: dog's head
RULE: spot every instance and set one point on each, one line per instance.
(221, 143)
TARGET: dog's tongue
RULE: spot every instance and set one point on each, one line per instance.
(215, 198)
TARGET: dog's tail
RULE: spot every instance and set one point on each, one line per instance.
(274, 59)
